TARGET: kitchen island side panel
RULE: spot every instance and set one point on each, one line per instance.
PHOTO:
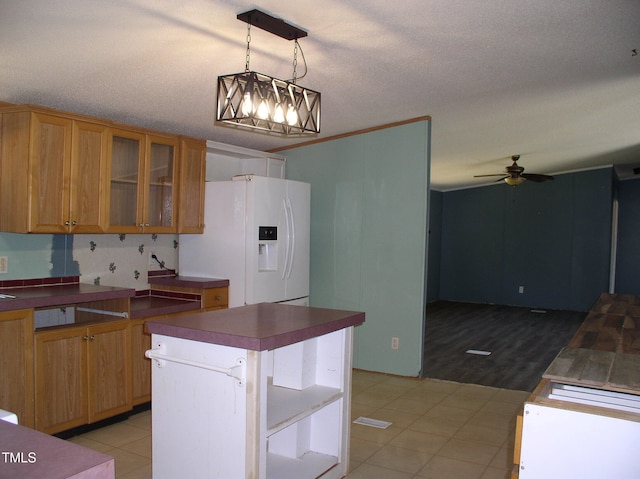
(199, 416)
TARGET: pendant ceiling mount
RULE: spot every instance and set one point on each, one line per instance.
(272, 25)
(257, 101)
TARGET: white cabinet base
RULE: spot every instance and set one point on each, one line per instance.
(562, 438)
(209, 425)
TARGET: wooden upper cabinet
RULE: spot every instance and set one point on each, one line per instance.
(67, 173)
(143, 172)
(125, 186)
(50, 165)
(88, 192)
(192, 177)
(159, 214)
(51, 169)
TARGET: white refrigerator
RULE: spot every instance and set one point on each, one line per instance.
(256, 235)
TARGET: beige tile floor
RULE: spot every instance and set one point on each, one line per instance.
(440, 430)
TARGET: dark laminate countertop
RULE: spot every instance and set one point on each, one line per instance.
(189, 281)
(37, 455)
(58, 295)
(147, 306)
(257, 327)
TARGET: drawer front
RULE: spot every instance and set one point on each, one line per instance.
(215, 298)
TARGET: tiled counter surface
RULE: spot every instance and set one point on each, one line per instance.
(28, 454)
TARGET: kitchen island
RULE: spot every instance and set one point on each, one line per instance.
(259, 391)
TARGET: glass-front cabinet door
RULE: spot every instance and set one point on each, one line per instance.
(143, 173)
(125, 191)
(160, 178)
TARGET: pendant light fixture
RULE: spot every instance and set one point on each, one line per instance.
(260, 102)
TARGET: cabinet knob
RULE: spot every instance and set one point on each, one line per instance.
(92, 337)
(218, 297)
(66, 223)
(73, 223)
(86, 338)
(147, 224)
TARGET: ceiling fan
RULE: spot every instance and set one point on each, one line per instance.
(514, 175)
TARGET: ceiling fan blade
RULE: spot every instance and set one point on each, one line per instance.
(482, 176)
(536, 177)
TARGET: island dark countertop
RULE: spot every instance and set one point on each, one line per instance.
(257, 327)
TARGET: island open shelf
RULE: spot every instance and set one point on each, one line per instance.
(259, 391)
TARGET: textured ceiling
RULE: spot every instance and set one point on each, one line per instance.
(556, 81)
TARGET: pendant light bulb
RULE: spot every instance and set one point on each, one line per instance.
(263, 110)
(292, 116)
(246, 104)
(278, 115)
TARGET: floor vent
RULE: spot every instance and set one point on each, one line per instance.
(478, 352)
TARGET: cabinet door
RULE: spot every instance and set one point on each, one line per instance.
(88, 178)
(126, 161)
(61, 379)
(16, 360)
(141, 365)
(160, 175)
(191, 194)
(109, 369)
(50, 164)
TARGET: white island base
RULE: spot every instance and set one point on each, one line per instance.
(228, 412)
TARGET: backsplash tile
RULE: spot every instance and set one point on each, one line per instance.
(107, 259)
(122, 260)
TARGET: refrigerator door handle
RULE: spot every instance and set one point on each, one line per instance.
(290, 238)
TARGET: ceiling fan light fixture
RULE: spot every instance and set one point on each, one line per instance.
(261, 102)
(518, 180)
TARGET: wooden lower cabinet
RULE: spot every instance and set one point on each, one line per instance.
(210, 298)
(82, 374)
(215, 298)
(141, 365)
(16, 364)
(517, 446)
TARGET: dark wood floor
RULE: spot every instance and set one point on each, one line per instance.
(522, 343)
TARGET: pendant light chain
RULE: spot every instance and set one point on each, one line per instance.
(295, 61)
(248, 58)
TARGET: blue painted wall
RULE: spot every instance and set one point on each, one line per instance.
(552, 238)
(628, 254)
(435, 245)
(368, 237)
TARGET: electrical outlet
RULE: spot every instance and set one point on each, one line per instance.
(4, 265)
(395, 343)
(521, 289)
